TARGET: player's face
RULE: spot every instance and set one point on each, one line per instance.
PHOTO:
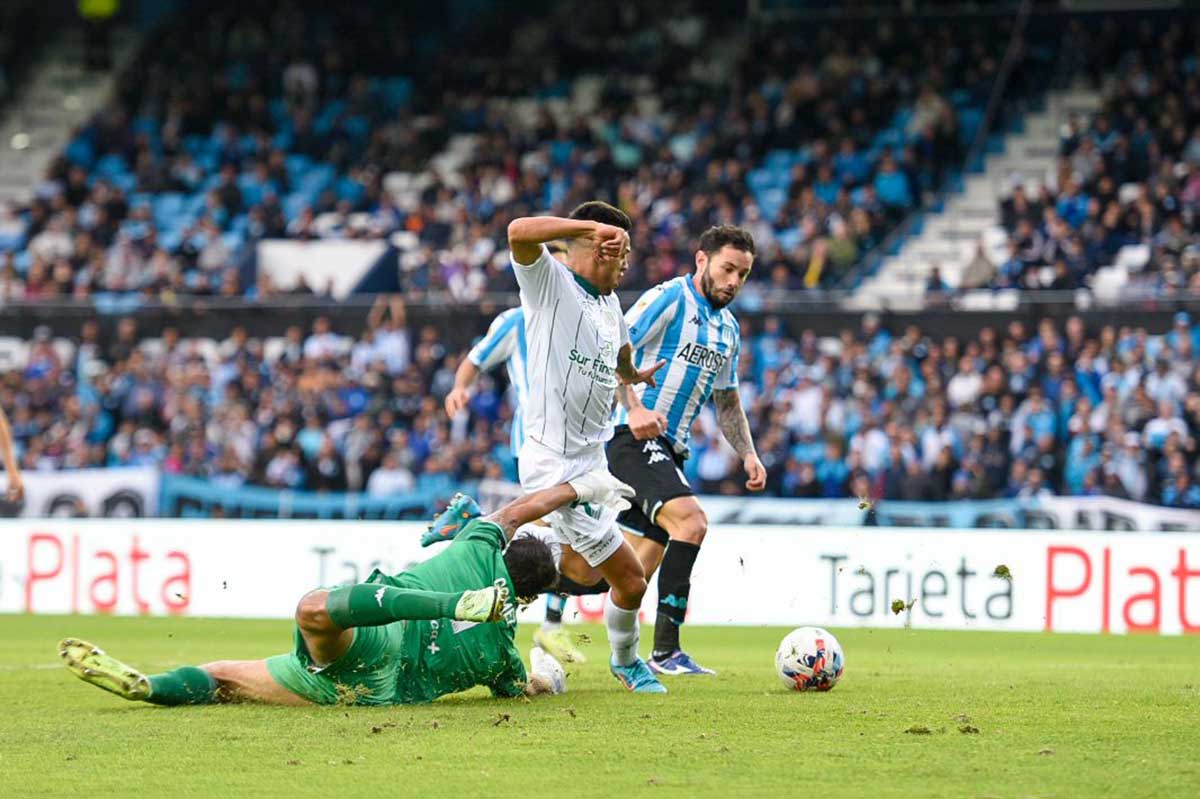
(723, 275)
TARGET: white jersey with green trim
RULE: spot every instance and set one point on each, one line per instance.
(573, 334)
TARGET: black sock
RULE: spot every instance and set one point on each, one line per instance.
(568, 586)
(674, 585)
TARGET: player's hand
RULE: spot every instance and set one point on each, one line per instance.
(646, 424)
(611, 241)
(16, 491)
(632, 377)
(600, 487)
(756, 472)
(456, 400)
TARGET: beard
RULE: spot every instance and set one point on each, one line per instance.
(715, 298)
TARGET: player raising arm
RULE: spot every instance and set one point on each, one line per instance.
(504, 343)
(579, 352)
(443, 626)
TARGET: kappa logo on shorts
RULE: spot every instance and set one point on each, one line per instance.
(656, 452)
(379, 595)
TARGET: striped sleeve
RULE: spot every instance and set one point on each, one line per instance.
(500, 342)
(651, 314)
(727, 378)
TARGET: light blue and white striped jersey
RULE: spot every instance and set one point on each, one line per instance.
(674, 322)
(505, 343)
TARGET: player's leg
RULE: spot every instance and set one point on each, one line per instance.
(577, 578)
(647, 538)
(667, 515)
(686, 524)
(222, 681)
(325, 617)
(249, 681)
(590, 529)
(627, 585)
(649, 551)
(461, 509)
(594, 534)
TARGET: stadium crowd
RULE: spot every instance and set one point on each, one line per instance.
(1010, 413)
(249, 121)
(1127, 176)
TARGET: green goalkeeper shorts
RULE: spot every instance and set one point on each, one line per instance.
(366, 675)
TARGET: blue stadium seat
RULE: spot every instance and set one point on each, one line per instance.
(293, 204)
(969, 120)
(357, 127)
(297, 166)
(167, 207)
(80, 151)
(110, 165)
(771, 201)
(789, 239)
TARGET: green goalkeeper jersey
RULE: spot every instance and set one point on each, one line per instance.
(418, 661)
(444, 656)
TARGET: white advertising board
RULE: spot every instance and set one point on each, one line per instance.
(837, 577)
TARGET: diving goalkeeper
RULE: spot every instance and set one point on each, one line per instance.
(444, 625)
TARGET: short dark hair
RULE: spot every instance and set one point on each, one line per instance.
(713, 239)
(531, 567)
(597, 211)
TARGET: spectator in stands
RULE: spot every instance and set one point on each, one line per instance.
(308, 147)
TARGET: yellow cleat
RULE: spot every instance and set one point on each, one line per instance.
(557, 641)
(92, 664)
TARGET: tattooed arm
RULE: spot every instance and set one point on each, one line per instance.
(736, 428)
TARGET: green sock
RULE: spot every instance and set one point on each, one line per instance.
(371, 605)
(186, 685)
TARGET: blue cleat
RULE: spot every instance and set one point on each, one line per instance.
(676, 664)
(637, 677)
(450, 522)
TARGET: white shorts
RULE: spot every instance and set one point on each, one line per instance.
(590, 530)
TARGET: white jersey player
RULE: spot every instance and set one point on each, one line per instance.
(578, 353)
(504, 343)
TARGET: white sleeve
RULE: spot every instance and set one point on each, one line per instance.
(624, 329)
(538, 280)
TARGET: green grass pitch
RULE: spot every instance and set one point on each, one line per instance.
(917, 714)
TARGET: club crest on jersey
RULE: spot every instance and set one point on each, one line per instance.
(700, 355)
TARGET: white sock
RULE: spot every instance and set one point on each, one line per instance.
(623, 632)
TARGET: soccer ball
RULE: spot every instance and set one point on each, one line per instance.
(809, 658)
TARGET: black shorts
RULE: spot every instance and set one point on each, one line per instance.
(655, 470)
